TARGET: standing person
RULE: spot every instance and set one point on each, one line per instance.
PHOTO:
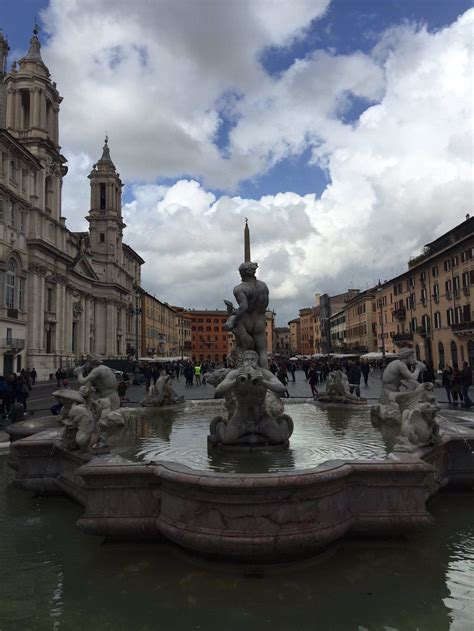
(282, 375)
(293, 372)
(10, 394)
(456, 389)
(122, 391)
(3, 391)
(313, 380)
(447, 382)
(148, 377)
(22, 390)
(466, 382)
(59, 375)
(33, 375)
(365, 370)
(353, 375)
(189, 375)
(197, 374)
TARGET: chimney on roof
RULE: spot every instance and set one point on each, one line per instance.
(468, 216)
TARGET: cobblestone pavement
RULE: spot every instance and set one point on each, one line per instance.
(41, 398)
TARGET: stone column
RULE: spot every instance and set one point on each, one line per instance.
(43, 122)
(10, 109)
(87, 324)
(35, 301)
(18, 121)
(35, 107)
(111, 328)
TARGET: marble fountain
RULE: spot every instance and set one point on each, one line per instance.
(243, 477)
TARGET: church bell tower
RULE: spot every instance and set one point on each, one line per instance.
(32, 116)
(105, 215)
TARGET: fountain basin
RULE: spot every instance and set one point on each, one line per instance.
(249, 517)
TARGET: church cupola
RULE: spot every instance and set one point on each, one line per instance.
(32, 116)
(33, 99)
(105, 215)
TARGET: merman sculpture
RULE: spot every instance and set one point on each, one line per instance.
(250, 423)
(255, 412)
(407, 405)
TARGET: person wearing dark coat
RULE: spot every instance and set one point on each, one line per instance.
(466, 382)
(353, 375)
(365, 370)
(447, 382)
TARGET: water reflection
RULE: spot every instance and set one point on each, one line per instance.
(319, 435)
(52, 573)
(261, 461)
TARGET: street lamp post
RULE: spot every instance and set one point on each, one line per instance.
(379, 289)
(136, 311)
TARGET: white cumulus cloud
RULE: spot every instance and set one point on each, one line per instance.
(160, 77)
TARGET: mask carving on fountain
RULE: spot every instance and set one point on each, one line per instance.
(255, 411)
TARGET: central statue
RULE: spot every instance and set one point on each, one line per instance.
(248, 322)
(255, 411)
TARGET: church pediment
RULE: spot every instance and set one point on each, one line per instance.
(82, 266)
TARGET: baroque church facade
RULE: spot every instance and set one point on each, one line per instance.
(63, 294)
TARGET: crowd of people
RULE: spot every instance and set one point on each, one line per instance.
(456, 383)
(15, 388)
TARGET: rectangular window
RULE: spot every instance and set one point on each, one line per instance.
(465, 279)
(466, 313)
(49, 299)
(455, 261)
(456, 284)
(447, 265)
(101, 237)
(437, 320)
(434, 271)
(448, 285)
(449, 316)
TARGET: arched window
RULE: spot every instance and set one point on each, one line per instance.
(441, 355)
(470, 353)
(10, 285)
(454, 353)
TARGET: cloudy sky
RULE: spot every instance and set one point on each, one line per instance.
(341, 128)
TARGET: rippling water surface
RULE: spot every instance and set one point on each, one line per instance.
(54, 578)
(320, 434)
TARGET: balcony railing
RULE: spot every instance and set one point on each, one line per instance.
(422, 330)
(400, 313)
(14, 342)
(463, 327)
(402, 337)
